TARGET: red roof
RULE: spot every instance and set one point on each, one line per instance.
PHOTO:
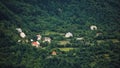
(54, 53)
(34, 43)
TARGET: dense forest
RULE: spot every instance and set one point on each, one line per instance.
(54, 18)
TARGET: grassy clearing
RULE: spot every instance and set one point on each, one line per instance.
(113, 40)
(64, 42)
(66, 49)
(52, 33)
(100, 41)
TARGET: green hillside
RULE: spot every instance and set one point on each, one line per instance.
(54, 18)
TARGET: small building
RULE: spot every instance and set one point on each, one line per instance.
(93, 27)
(31, 40)
(69, 34)
(47, 39)
(19, 30)
(22, 35)
(81, 38)
(39, 37)
(54, 53)
(36, 44)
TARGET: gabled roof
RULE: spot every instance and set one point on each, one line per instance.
(69, 34)
(36, 44)
(54, 53)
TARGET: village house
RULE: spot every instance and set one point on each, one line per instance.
(69, 34)
(36, 44)
(54, 53)
(93, 27)
(39, 37)
(47, 39)
(31, 40)
(22, 35)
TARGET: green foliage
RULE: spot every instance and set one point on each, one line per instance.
(54, 18)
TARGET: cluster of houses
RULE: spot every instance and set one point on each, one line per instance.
(36, 43)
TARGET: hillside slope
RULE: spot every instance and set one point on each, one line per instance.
(54, 18)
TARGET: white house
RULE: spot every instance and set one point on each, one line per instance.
(31, 40)
(22, 35)
(47, 39)
(39, 37)
(69, 34)
(19, 30)
(93, 27)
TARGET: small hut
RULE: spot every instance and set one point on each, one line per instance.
(19, 30)
(36, 44)
(31, 40)
(47, 39)
(22, 35)
(54, 53)
(39, 37)
(69, 34)
(93, 27)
